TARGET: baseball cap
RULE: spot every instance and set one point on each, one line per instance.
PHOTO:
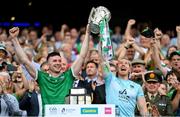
(147, 32)
(138, 61)
(154, 76)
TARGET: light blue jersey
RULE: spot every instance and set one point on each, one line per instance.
(122, 93)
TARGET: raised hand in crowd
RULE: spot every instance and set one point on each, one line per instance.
(172, 80)
(128, 28)
(178, 36)
(158, 33)
(129, 42)
(14, 32)
(64, 28)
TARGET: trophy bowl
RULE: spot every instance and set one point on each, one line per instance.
(96, 16)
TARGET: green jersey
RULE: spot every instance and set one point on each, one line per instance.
(54, 89)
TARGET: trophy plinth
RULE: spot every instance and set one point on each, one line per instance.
(78, 96)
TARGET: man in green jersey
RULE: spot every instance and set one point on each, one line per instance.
(54, 85)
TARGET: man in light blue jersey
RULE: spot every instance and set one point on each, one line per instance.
(122, 92)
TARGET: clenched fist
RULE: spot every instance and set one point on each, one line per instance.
(14, 32)
(158, 33)
(178, 29)
(131, 22)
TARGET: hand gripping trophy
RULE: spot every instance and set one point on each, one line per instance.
(98, 20)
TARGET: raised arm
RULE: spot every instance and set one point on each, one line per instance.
(126, 37)
(64, 28)
(178, 36)
(77, 65)
(20, 53)
(156, 52)
(128, 28)
(122, 52)
(104, 64)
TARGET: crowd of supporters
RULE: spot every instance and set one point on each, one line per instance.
(141, 79)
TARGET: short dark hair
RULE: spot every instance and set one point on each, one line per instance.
(177, 52)
(92, 62)
(172, 46)
(53, 54)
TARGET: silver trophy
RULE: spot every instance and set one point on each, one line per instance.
(96, 16)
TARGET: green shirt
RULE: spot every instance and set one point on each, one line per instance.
(54, 89)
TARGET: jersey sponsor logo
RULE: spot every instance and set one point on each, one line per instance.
(53, 110)
(131, 86)
(67, 110)
(123, 95)
(123, 92)
(107, 110)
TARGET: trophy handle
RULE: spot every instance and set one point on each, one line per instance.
(91, 15)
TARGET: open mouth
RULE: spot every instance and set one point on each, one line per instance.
(123, 69)
(137, 71)
(19, 77)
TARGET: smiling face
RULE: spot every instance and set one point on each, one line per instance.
(152, 87)
(137, 68)
(123, 67)
(54, 63)
(145, 42)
